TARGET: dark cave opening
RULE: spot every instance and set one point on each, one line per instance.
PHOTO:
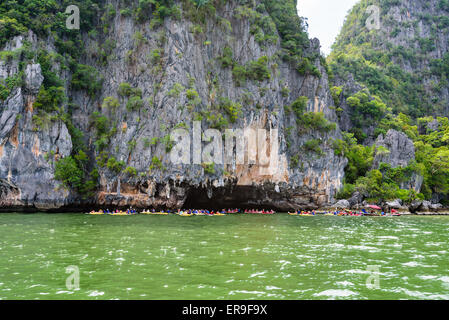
(241, 197)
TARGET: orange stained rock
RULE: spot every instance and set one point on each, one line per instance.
(36, 146)
(14, 137)
(30, 105)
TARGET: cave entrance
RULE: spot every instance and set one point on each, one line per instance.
(241, 197)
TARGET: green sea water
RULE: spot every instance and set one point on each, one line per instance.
(232, 257)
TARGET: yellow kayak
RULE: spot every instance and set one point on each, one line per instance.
(293, 214)
(186, 215)
(306, 215)
(219, 214)
(329, 214)
(123, 214)
(96, 213)
(156, 213)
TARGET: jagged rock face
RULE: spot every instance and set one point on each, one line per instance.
(342, 204)
(429, 127)
(408, 47)
(9, 194)
(190, 61)
(425, 207)
(401, 150)
(356, 199)
(350, 88)
(33, 78)
(27, 178)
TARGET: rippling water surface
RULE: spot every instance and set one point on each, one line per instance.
(232, 257)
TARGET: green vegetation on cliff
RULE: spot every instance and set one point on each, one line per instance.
(403, 87)
(76, 66)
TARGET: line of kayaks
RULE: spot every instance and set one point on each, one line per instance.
(120, 213)
(190, 214)
(181, 214)
(344, 215)
(155, 213)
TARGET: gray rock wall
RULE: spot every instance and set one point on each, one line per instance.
(191, 61)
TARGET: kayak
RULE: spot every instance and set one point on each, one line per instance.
(96, 213)
(307, 215)
(156, 213)
(329, 214)
(219, 214)
(186, 215)
(122, 214)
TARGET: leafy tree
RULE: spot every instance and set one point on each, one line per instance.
(67, 171)
(87, 78)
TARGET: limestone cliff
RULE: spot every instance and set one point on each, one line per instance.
(403, 59)
(389, 71)
(138, 77)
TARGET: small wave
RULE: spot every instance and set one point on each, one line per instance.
(272, 288)
(416, 264)
(33, 286)
(96, 293)
(336, 293)
(425, 295)
(284, 263)
(364, 248)
(345, 283)
(257, 274)
(356, 271)
(411, 264)
(388, 238)
(233, 292)
(434, 244)
(63, 292)
(424, 277)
